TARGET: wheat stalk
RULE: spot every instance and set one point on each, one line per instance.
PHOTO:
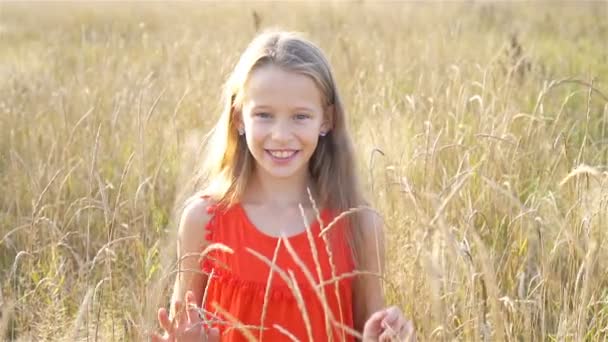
(268, 283)
(291, 284)
(328, 249)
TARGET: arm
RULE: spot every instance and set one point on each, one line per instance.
(183, 323)
(376, 322)
(190, 243)
(368, 294)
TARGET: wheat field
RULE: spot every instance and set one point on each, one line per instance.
(480, 131)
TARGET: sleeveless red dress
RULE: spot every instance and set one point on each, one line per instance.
(234, 301)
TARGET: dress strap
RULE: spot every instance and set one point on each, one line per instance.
(211, 226)
(210, 233)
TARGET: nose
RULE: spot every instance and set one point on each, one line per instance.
(281, 130)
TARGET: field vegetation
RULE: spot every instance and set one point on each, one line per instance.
(481, 131)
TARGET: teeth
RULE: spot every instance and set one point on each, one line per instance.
(282, 154)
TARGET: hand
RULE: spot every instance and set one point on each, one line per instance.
(187, 327)
(388, 325)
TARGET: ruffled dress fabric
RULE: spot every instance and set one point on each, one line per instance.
(237, 289)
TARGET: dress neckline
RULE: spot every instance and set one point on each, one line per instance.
(313, 226)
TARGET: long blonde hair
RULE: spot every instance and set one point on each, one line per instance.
(229, 164)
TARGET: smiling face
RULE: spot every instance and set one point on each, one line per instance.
(282, 116)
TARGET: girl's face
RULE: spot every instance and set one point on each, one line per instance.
(282, 117)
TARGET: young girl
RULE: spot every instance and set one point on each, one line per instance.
(278, 261)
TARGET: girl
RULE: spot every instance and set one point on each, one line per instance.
(277, 265)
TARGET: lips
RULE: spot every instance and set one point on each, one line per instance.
(282, 156)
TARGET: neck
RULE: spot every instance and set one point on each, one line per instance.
(279, 193)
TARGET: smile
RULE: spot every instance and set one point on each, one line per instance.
(282, 155)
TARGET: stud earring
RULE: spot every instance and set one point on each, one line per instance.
(322, 134)
(241, 132)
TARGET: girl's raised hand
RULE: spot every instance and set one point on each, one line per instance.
(388, 325)
(187, 326)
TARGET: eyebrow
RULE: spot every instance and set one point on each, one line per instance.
(303, 108)
(306, 109)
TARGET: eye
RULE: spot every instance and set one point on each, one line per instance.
(302, 116)
(263, 115)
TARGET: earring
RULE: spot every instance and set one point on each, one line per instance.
(322, 134)
(241, 132)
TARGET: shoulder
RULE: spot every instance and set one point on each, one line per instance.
(194, 218)
(371, 225)
(369, 294)
(371, 245)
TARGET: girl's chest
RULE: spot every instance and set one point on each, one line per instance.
(257, 250)
(280, 223)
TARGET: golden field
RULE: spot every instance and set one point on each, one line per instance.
(480, 130)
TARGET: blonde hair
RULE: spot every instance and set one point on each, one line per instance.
(228, 165)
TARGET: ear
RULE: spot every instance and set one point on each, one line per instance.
(328, 119)
(237, 118)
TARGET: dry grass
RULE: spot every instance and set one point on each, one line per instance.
(492, 174)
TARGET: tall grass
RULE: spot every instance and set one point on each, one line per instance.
(481, 131)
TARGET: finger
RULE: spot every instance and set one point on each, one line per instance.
(179, 316)
(191, 308)
(392, 315)
(157, 338)
(373, 324)
(400, 326)
(163, 319)
(409, 332)
(213, 335)
(387, 336)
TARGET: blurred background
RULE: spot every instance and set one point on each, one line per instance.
(480, 129)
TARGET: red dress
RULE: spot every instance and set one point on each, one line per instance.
(236, 291)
